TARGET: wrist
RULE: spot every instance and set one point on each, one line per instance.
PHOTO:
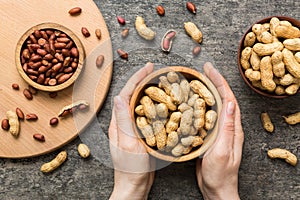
(221, 194)
(130, 186)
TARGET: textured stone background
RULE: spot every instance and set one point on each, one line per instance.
(222, 23)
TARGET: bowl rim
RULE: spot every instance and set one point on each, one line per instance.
(241, 47)
(212, 134)
(76, 40)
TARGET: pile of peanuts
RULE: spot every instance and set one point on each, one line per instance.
(176, 115)
(271, 57)
(49, 57)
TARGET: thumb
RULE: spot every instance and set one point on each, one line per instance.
(225, 138)
(123, 118)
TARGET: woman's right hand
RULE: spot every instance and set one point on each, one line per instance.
(217, 171)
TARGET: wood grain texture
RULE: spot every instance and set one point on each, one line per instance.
(92, 85)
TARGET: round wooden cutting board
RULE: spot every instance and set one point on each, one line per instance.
(17, 16)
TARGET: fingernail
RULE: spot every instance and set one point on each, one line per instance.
(119, 102)
(230, 108)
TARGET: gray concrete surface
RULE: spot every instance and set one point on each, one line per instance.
(222, 23)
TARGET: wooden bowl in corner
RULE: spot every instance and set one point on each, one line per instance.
(152, 80)
(295, 23)
(53, 27)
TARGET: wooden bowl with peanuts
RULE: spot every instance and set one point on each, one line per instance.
(175, 110)
(269, 56)
(49, 57)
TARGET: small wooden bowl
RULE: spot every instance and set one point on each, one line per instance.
(75, 39)
(152, 80)
(241, 47)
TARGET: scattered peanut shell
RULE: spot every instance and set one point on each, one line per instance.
(143, 30)
(283, 154)
(293, 118)
(83, 150)
(55, 163)
(167, 40)
(14, 125)
(193, 31)
(267, 123)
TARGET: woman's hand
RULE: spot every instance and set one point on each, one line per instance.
(217, 172)
(134, 168)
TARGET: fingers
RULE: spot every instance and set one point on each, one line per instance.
(123, 118)
(112, 130)
(219, 82)
(131, 84)
(231, 135)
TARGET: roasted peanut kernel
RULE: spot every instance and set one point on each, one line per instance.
(122, 54)
(27, 94)
(98, 33)
(160, 10)
(99, 61)
(191, 7)
(19, 113)
(125, 32)
(51, 55)
(121, 20)
(196, 50)
(85, 32)
(54, 121)
(5, 124)
(15, 86)
(39, 137)
(31, 117)
(75, 11)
